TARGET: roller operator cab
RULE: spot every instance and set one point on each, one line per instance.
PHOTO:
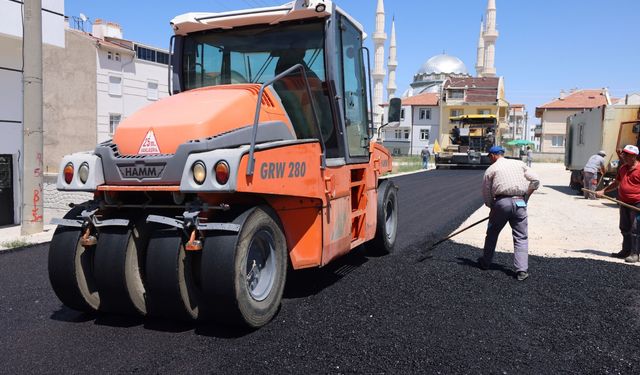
(260, 161)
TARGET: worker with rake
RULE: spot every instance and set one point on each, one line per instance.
(628, 184)
(506, 188)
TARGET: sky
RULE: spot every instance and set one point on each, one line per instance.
(544, 45)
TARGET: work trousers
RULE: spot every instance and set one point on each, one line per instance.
(590, 181)
(425, 163)
(630, 229)
(529, 160)
(505, 210)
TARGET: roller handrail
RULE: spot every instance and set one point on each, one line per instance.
(254, 135)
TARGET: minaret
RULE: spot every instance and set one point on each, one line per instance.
(480, 57)
(392, 64)
(490, 36)
(379, 37)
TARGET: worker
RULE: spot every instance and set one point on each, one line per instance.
(529, 156)
(595, 165)
(426, 154)
(506, 188)
(628, 184)
(489, 139)
(455, 135)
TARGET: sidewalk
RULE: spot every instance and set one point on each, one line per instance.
(10, 237)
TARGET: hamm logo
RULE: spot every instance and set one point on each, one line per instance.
(141, 172)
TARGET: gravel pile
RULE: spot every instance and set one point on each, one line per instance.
(362, 314)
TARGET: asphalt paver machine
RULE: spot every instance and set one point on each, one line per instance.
(470, 143)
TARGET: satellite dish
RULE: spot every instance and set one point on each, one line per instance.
(83, 17)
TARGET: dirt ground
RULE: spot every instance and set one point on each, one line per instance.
(562, 224)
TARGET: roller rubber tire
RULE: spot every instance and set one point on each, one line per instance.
(237, 289)
(171, 277)
(118, 269)
(70, 268)
(387, 219)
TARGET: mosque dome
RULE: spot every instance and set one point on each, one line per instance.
(443, 64)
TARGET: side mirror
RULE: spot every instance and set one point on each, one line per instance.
(395, 105)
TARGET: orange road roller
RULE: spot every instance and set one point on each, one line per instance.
(259, 163)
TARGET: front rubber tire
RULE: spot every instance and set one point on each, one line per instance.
(70, 267)
(387, 219)
(172, 277)
(119, 268)
(243, 274)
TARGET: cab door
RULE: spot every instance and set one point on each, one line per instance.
(354, 93)
(345, 216)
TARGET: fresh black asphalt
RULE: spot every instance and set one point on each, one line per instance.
(361, 314)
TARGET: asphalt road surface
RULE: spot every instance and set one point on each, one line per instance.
(360, 315)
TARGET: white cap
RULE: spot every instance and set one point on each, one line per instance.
(631, 149)
(602, 153)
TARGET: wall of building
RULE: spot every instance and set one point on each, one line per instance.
(136, 74)
(11, 114)
(52, 21)
(69, 80)
(554, 123)
(11, 104)
(432, 125)
(396, 139)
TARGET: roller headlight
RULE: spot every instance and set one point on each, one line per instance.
(199, 172)
(68, 173)
(222, 172)
(83, 172)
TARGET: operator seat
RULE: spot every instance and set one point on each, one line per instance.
(293, 93)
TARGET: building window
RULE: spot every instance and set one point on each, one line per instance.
(117, 56)
(152, 90)
(398, 134)
(406, 134)
(114, 120)
(424, 134)
(402, 114)
(162, 58)
(557, 141)
(396, 151)
(456, 94)
(148, 54)
(115, 85)
(425, 114)
(484, 111)
(456, 112)
(109, 55)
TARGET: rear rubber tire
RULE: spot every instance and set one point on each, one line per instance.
(172, 277)
(387, 219)
(71, 268)
(244, 274)
(119, 269)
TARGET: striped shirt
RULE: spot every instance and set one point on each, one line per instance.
(508, 177)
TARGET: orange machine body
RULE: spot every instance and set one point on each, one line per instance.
(196, 114)
(325, 212)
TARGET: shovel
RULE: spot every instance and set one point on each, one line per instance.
(427, 254)
(614, 200)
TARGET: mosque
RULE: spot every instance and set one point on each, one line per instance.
(433, 85)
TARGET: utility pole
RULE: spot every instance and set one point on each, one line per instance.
(32, 205)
